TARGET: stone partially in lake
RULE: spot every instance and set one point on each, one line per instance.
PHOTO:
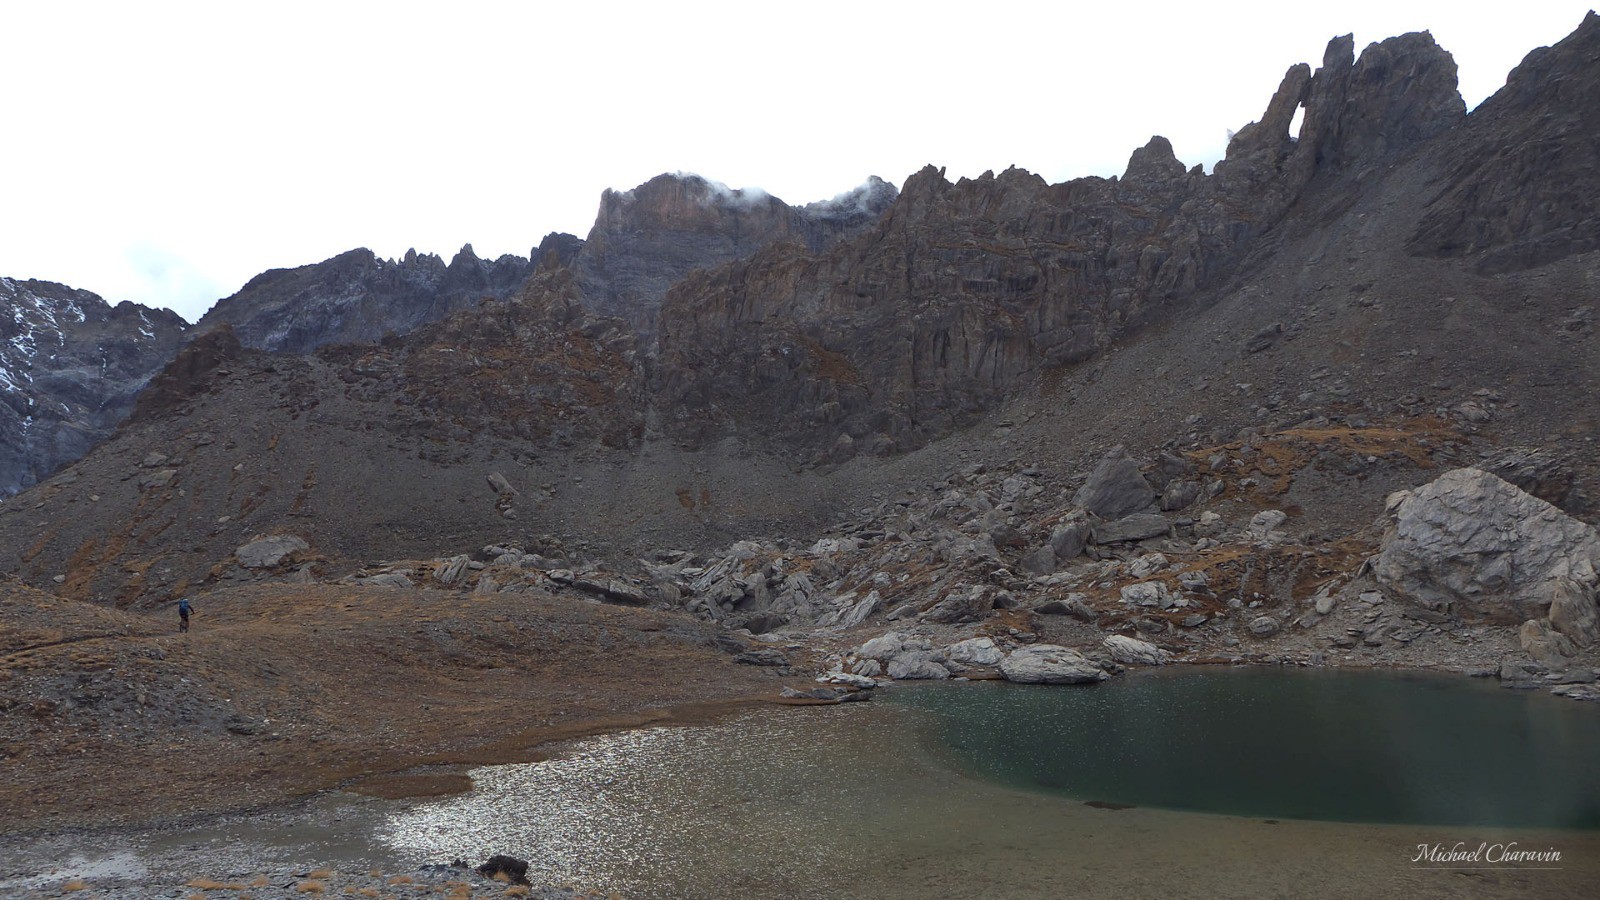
(1587, 692)
(860, 682)
(1134, 652)
(789, 693)
(1050, 664)
(1521, 672)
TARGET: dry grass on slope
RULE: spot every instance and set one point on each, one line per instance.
(282, 690)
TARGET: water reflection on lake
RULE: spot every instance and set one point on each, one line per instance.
(880, 799)
(1344, 746)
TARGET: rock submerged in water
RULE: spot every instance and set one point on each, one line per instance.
(1050, 664)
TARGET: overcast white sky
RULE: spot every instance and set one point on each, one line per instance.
(166, 152)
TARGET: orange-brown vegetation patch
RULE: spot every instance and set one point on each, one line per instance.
(1278, 456)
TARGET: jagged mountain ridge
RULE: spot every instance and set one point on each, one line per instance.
(646, 239)
(356, 297)
(665, 228)
(70, 367)
(900, 336)
(1235, 322)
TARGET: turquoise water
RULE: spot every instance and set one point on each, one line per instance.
(1335, 746)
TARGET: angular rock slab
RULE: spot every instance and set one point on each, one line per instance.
(266, 552)
(1471, 543)
(1134, 652)
(1050, 664)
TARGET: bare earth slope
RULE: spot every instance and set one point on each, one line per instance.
(278, 692)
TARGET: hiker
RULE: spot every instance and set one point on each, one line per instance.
(183, 614)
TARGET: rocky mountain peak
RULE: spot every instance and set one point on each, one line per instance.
(70, 365)
(1510, 192)
(646, 239)
(1154, 161)
(357, 296)
(685, 202)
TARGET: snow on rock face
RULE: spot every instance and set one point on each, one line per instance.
(70, 364)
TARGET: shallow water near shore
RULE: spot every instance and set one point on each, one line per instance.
(893, 799)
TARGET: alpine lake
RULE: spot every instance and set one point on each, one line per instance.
(1160, 783)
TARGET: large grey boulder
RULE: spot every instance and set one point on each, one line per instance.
(917, 665)
(266, 552)
(1115, 488)
(1134, 652)
(978, 651)
(850, 610)
(1573, 611)
(450, 572)
(1148, 593)
(1068, 539)
(1039, 562)
(1545, 644)
(1475, 545)
(883, 647)
(1050, 664)
(962, 606)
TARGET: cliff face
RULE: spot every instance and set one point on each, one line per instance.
(1519, 184)
(646, 239)
(356, 297)
(1165, 307)
(70, 367)
(926, 320)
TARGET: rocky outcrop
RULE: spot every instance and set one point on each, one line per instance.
(644, 240)
(193, 371)
(931, 317)
(269, 551)
(356, 297)
(70, 367)
(1473, 545)
(1518, 188)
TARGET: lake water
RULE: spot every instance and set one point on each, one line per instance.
(1342, 746)
(981, 790)
(1198, 783)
